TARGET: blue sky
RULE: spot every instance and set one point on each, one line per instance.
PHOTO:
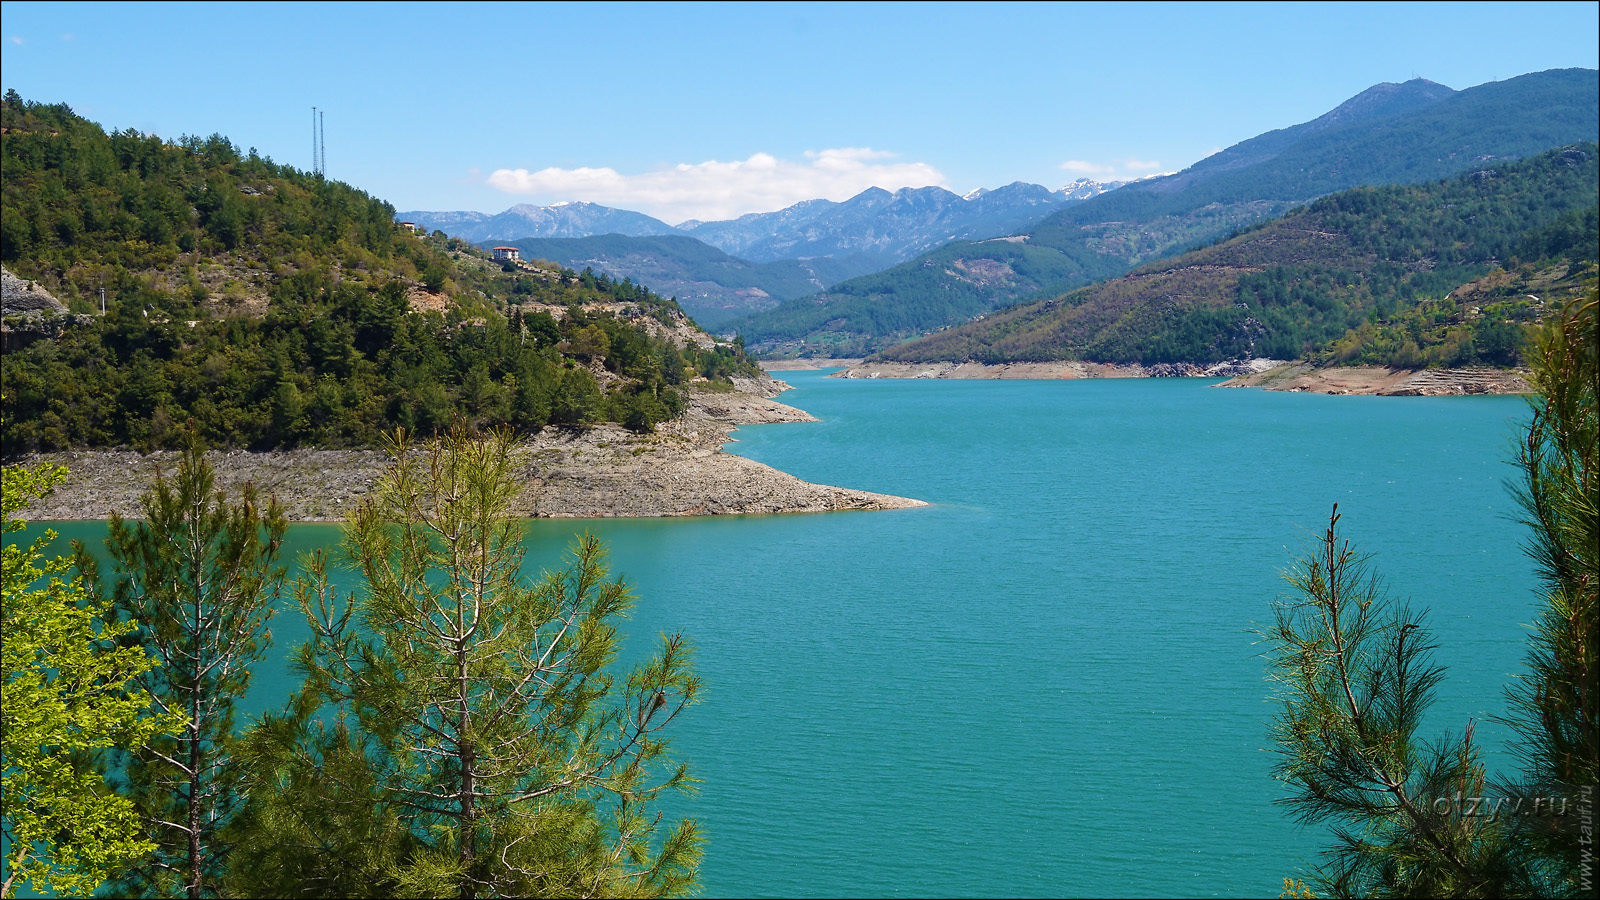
(713, 110)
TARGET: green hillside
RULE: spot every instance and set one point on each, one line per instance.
(951, 284)
(1391, 134)
(710, 285)
(1364, 275)
(275, 308)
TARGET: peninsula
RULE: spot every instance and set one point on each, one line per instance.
(601, 471)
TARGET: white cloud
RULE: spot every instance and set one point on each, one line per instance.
(1115, 170)
(15, 39)
(722, 190)
(1083, 167)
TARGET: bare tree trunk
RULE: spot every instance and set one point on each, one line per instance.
(469, 824)
(466, 756)
(194, 815)
(194, 771)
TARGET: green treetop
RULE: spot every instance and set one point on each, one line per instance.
(67, 697)
(1418, 818)
(460, 732)
(199, 575)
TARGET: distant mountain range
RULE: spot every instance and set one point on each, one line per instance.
(711, 286)
(893, 226)
(890, 226)
(726, 269)
(1389, 134)
(1341, 277)
(561, 220)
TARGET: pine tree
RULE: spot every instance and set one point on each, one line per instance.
(460, 731)
(1355, 674)
(1555, 707)
(200, 577)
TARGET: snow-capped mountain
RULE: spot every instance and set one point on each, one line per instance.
(563, 220)
(889, 227)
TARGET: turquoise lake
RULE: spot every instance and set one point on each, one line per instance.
(1045, 683)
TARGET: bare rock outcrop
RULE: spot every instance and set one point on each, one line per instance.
(21, 297)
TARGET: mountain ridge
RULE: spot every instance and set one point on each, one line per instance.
(1388, 134)
(895, 225)
(559, 220)
(712, 286)
(1354, 271)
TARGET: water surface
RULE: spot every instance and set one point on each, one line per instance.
(1045, 683)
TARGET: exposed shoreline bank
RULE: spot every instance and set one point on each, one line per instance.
(1268, 374)
(1065, 370)
(1299, 377)
(806, 365)
(604, 471)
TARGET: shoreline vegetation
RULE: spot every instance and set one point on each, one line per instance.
(1294, 376)
(606, 471)
(603, 471)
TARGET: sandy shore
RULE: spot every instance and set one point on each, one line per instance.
(600, 472)
(1298, 376)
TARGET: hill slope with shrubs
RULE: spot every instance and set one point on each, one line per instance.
(275, 308)
(1363, 276)
(1407, 133)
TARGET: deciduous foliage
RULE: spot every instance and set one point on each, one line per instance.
(67, 697)
(460, 732)
(199, 575)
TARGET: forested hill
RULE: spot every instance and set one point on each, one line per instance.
(709, 284)
(276, 308)
(1390, 134)
(1370, 275)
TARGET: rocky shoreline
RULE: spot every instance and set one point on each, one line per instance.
(807, 365)
(1385, 382)
(1067, 369)
(599, 472)
(1269, 374)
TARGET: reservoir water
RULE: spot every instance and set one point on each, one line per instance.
(1045, 683)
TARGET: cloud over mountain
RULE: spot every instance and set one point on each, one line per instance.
(1123, 169)
(715, 190)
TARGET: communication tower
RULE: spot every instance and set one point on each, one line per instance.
(319, 144)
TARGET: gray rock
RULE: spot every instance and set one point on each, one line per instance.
(20, 297)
